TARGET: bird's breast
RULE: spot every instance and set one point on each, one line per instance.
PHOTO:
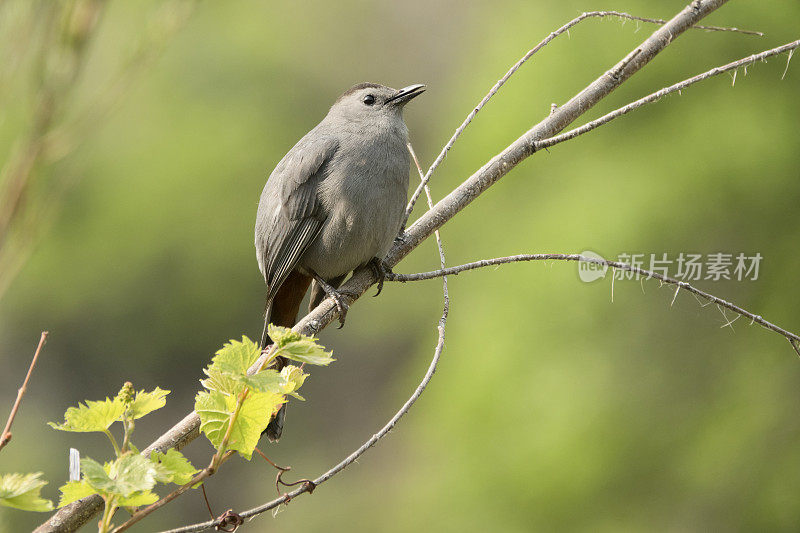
(363, 195)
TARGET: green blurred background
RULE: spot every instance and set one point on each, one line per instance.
(554, 408)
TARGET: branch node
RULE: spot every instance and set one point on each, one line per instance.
(229, 521)
(616, 72)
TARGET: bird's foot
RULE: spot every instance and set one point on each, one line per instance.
(380, 270)
(338, 298)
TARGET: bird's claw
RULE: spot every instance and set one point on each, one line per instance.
(341, 306)
(381, 271)
(337, 297)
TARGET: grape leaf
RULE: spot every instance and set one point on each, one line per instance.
(91, 416)
(147, 402)
(124, 476)
(281, 336)
(215, 410)
(175, 468)
(74, 490)
(297, 347)
(230, 361)
(293, 377)
(21, 491)
(267, 380)
(138, 498)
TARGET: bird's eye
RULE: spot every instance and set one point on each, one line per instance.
(369, 99)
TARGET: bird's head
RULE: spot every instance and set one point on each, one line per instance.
(371, 103)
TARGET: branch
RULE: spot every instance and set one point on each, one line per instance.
(73, 516)
(654, 97)
(544, 42)
(793, 338)
(5, 436)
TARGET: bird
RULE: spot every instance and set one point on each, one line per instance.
(334, 203)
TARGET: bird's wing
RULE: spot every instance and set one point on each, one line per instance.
(290, 215)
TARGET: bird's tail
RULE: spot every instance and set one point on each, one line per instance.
(282, 311)
(267, 313)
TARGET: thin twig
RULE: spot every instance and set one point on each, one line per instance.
(442, 259)
(205, 498)
(565, 28)
(792, 337)
(5, 437)
(654, 97)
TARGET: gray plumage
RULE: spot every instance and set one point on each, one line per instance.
(336, 200)
(333, 203)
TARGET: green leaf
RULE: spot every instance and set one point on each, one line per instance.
(137, 499)
(147, 402)
(73, 491)
(297, 347)
(293, 378)
(281, 336)
(215, 410)
(267, 380)
(21, 491)
(230, 361)
(212, 408)
(254, 416)
(306, 350)
(287, 381)
(221, 382)
(93, 416)
(96, 475)
(124, 476)
(175, 468)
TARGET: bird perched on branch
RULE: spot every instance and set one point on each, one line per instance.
(334, 203)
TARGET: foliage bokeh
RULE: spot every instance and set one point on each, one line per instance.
(554, 407)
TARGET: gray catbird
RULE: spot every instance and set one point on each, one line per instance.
(335, 202)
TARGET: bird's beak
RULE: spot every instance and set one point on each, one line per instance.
(404, 95)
